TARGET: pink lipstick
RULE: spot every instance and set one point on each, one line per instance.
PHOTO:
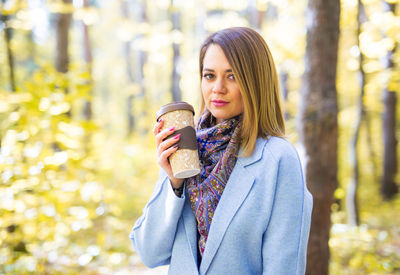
(219, 103)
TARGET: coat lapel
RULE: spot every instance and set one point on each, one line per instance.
(189, 221)
(236, 190)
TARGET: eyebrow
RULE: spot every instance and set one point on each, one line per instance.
(211, 70)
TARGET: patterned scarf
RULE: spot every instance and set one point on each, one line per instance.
(218, 148)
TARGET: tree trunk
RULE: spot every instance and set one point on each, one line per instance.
(10, 56)
(128, 64)
(351, 196)
(319, 129)
(87, 56)
(31, 64)
(87, 49)
(371, 149)
(63, 21)
(389, 187)
(255, 16)
(140, 61)
(284, 87)
(176, 25)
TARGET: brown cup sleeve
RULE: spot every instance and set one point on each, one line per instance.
(188, 138)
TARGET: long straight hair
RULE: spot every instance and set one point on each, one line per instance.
(254, 70)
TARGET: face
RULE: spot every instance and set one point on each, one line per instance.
(220, 90)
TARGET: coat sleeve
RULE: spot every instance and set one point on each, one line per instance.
(285, 240)
(153, 234)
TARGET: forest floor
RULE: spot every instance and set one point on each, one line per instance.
(373, 247)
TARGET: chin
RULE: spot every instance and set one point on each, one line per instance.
(217, 115)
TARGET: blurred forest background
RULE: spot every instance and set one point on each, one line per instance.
(81, 80)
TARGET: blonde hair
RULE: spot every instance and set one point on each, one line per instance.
(254, 69)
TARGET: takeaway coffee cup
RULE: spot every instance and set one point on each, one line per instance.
(185, 161)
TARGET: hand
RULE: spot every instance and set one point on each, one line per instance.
(164, 149)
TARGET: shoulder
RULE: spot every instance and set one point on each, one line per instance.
(271, 152)
(286, 159)
(282, 155)
(279, 149)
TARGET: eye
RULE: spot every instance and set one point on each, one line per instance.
(231, 76)
(208, 76)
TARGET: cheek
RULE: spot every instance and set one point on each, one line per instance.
(239, 97)
(204, 96)
(240, 102)
(241, 105)
(204, 91)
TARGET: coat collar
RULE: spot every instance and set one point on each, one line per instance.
(257, 153)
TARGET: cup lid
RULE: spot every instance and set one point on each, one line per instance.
(173, 106)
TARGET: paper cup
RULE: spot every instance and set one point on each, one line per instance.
(185, 161)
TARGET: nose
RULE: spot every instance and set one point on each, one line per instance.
(219, 86)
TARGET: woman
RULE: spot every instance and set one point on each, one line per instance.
(249, 211)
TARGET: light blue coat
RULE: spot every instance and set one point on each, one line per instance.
(261, 224)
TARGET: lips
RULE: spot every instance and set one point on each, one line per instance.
(219, 103)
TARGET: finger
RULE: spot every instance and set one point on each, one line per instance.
(169, 142)
(166, 153)
(163, 134)
(157, 127)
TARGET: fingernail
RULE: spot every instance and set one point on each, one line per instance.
(171, 129)
(177, 136)
(175, 146)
